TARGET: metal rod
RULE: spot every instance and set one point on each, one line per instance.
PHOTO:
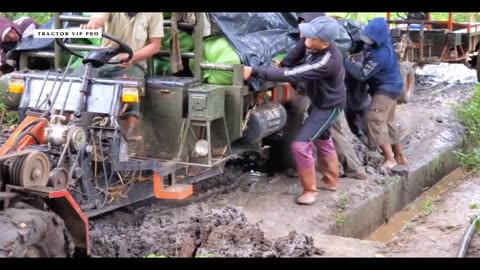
(209, 139)
(130, 82)
(183, 54)
(216, 161)
(61, 82)
(410, 21)
(421, 40)
(41, 54)
(66, 98)
(53, 89)
(80, 18)
(83, 90)
(216, 66)
(198, 45)
(43, 87)
(79, 47)
(183, 25)
(57, 49)
(74, 18)
(184, 138)
(227, 135)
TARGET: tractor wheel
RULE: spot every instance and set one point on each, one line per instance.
(33, 233)
(407, 71)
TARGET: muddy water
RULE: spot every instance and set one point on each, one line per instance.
(386, 232)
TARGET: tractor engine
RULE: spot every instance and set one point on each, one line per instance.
(58, 135)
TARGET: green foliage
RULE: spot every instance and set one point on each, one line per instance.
(39, 17)
(469, 114)
(9, 117)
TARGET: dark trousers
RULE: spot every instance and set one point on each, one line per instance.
(317, 125)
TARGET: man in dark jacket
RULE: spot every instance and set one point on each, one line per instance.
(322, 75)
(11, 33)
(380, 70)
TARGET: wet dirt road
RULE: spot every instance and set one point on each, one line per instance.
(440, 223)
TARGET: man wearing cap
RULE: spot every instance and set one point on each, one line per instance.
(11, 34)
(380, 70)
(352, 166)
(322, 75)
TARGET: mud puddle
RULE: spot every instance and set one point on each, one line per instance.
(386, 232)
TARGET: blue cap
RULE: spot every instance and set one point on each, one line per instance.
(324, 28)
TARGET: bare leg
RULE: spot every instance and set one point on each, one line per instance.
(130, 124)
(399, 157)
(389, 158)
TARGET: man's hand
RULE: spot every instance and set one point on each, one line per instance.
(123, 59)
(276, 63)
(93, 23)
(247, 72)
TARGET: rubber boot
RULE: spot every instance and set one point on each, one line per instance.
(328, 166)
(308, 181)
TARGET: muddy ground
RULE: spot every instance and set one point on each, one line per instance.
(257, 217)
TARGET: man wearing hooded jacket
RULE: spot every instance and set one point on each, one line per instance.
(380, 71)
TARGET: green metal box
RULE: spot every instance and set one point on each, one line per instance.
(206, 102)
(166, 100)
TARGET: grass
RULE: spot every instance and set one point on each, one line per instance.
(340, 218)
(469, 114)
(427, 206)
(9, 118)
(477, 224)
(342, 205)
(343, 202)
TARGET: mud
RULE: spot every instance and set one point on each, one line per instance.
(192, 232)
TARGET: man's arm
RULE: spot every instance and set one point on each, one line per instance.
(155, 34)
(294, 56)
(312, 71)
(365, 71)
(148, 51)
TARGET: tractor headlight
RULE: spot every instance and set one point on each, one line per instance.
(201, 148)
(130, 95)
(16, 86)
